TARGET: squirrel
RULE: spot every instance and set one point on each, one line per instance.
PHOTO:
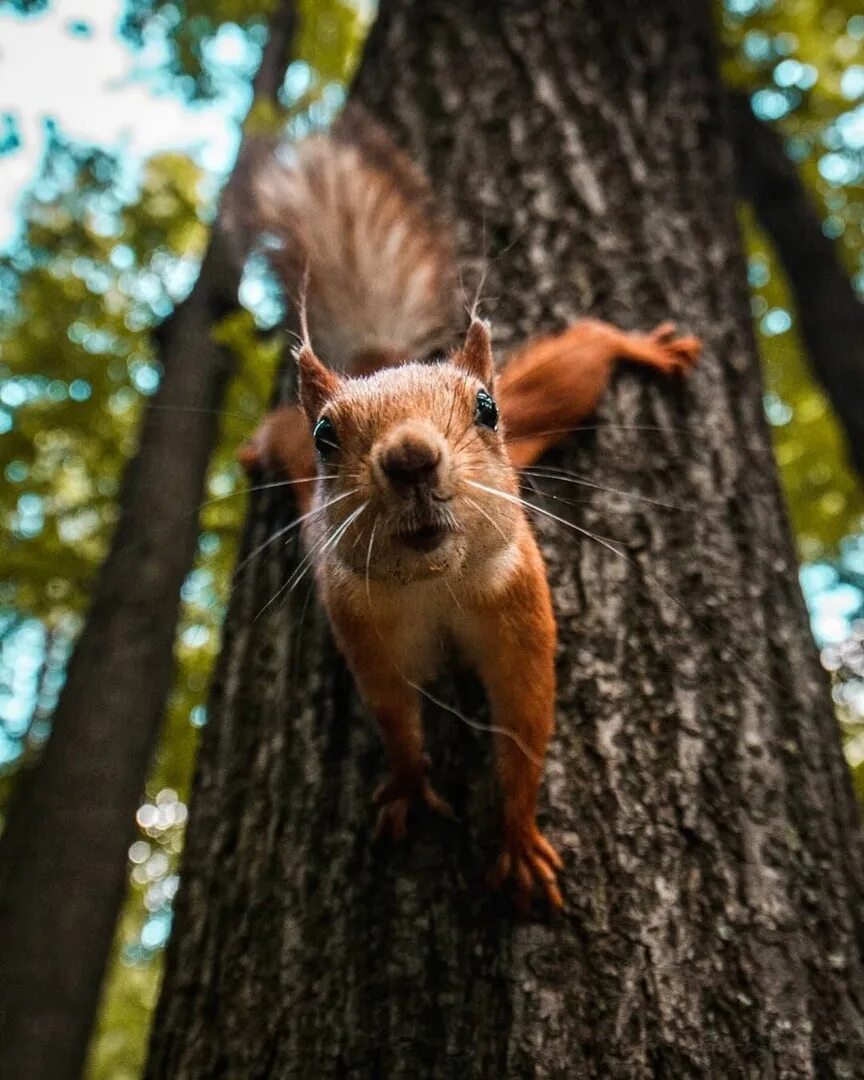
(414, 524)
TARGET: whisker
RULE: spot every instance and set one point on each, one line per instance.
(450, 417)
(535, 487)
(283, 532)
(575, 478)
(657, 429)
(300, 569)
(477, 725)
(650, 429)
(331, 540)
(488, 516)
(293, 525)
(301, 565)
(466, 438)
(472, 312)
(369, 560)
(264, 487)
(604, 542)
(558, 498)
(298, 632)
(456, 600)
(343, 527)
(548, 513)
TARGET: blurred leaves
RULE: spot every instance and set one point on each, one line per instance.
(803, 63)
(823, 493)
(186, 35)
(104, 253)
(23, 7)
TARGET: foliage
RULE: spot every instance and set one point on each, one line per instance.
(184, 32)
(104, 253)
(824, 495)
(804, 64)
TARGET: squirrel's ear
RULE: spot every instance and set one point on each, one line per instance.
(316, 385)
(475, 355)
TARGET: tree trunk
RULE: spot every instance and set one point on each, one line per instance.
(695, 785)
(63, 865)
(830, 314)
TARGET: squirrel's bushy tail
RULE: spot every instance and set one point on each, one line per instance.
(350, 209)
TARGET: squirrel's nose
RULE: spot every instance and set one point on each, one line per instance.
(410, 462)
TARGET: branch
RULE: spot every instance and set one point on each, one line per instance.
(63, 852)
(830, 314)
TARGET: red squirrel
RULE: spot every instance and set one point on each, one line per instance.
(415, 529)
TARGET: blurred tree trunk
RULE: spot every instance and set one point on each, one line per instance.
(696, 784)
(63, 866)
(830, 314)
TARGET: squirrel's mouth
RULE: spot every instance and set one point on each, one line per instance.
(425, 538)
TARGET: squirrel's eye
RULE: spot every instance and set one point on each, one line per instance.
(485, 410)
(325, 437)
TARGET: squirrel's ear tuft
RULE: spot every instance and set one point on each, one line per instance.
(475, 355)
(317, 383)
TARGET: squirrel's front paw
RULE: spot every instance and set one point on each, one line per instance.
(529, 859)
(396, 796)
(672, 355)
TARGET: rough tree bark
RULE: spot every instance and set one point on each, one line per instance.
(830, 314)
(696, 784)
(63, 866)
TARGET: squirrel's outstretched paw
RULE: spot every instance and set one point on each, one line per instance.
(670, 354)
(395, 799)
(529, 859)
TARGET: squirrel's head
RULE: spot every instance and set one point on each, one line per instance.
(415, 460)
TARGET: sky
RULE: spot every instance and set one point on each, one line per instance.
(99, 91)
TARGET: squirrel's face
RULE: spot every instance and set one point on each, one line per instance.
(413, 456)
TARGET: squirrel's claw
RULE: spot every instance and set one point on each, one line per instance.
(529, 860)
(669, 354)
(663, 333)
(395, 799)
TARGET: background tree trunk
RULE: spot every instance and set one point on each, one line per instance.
(830, 313)
(63, 865)
(696, 783)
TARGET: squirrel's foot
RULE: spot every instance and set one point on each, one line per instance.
(529, 859)
(257, 452)
(251, 454)
(661, 349)
(394, 798)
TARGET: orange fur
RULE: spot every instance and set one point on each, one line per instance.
(555, 383)
(548, 388)
(353, 216)
(424, 542)
(545, 391)
(405, 448)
